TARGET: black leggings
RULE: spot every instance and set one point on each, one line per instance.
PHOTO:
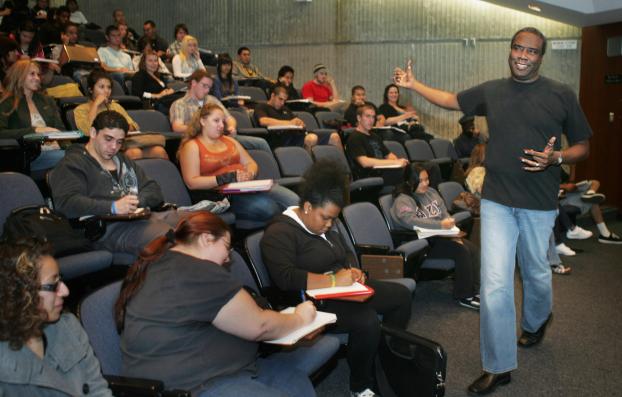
(360, 321)
(466, 257)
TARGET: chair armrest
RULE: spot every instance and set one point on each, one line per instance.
(402, 236)
(140, 387)
(371, 249)
(461, 216)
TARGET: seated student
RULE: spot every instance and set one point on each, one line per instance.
(468, 138)
(302, 252)
(366, 150)
(165, 75)
(43, 352)
(208, 160)
(417, 204)
(148, 84)
(359, 98)
(275, 113)
(15, 13)
(181, 30)
(128, 41)
(150, 36)
(400, 117)
(49, 32)
(113, 59)
(183, 110)
(285, 78)
(28, 44)
(95, 179)
(100, 87)
(77, 16)
(584, 196)
(8, 56)
(179, 290)
(24, 110)
(188, 60)
(322, 90)
(224, 83)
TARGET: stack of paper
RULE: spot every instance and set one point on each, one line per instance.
(425, 233)
(259, 185)
(321, 319)
(356, 289)
(285, 127)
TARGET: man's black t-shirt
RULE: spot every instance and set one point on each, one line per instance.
(524, 116)
(265, 110)
(370, 145)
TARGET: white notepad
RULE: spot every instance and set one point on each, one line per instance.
(423, 232)
(321, 319)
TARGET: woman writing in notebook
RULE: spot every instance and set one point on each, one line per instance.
(302, 251)
(417, 204)
(100, 88)
(185, 320)
(209, 159)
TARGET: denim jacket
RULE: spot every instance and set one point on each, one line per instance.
(69, 366)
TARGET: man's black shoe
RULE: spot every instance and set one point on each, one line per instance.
(487, 383)
(528, 339)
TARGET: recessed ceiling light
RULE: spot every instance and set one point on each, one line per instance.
(534, 7)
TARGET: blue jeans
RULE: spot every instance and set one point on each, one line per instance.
(275, 377)
(506, 233)
(253, 142)
(47, 159)
(262, 207)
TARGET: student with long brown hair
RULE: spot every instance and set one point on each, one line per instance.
(209, 159)
(185, 320)
(24, 110)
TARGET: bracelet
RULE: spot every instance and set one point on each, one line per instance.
(333, 279)
(113, 209)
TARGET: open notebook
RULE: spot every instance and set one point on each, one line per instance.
(321, 319)
(425, 233)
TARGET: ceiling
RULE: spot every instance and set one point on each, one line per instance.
(574, 12)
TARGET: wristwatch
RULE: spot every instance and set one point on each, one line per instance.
(560, 160)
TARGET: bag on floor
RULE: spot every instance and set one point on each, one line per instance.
(409, 365)
(41, 222)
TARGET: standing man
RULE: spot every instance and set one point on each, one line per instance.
(527, 114)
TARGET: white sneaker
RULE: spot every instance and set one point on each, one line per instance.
(563, 249)
(578, 233)
(364, 393)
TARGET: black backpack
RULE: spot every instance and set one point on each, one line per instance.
(41, 222)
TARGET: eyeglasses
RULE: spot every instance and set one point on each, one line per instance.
(52, 287)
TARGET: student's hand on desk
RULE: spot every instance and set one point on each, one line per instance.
(298, 122)
(306, 311)
(165, 92)
(448, 223)
(345, 277)
(243, 176)
(126, 204)
(45, 130)
(358, 275)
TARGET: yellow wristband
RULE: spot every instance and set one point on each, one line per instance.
(333, 279)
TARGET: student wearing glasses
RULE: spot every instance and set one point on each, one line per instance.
(43, 352)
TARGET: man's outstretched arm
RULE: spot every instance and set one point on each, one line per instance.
(444, 99)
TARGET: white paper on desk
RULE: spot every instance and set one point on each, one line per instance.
(285, 127)
(298, 101)
(236, 98)
(44, 60)
(354, 288)
(388, 166)
(259, 185)
(423, 232)
(321, 319)
(63, 135)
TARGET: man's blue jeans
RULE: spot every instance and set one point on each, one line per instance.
(506, 233)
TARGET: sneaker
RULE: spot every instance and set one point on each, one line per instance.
(578, 233)
(364, 393)
(592, 197)
(563, 249)
(611, 239)
(470, 303)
